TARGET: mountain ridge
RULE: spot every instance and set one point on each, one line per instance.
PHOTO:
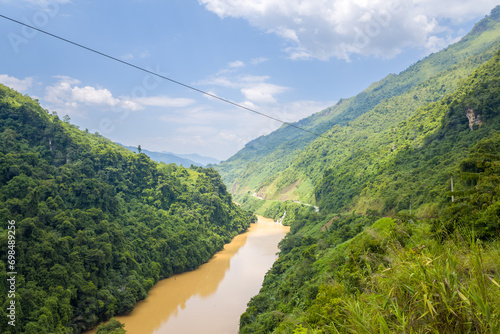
(268, 165)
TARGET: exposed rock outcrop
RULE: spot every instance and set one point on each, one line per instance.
(473, 118)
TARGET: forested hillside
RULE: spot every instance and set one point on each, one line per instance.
(288, 163)
(96, 226)
(433, 272)
(410, 165)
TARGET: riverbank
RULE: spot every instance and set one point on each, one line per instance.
(211, 298)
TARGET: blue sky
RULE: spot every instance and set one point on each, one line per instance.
(285, 58)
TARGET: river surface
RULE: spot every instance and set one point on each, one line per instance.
(211, 298)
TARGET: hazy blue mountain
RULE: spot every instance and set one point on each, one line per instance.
(168, 158)
(197, 158)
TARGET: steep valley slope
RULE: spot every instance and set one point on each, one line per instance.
(289, 164)
(432, 265)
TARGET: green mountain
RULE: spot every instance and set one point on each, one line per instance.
(89, 227)
(168, 158)
(430, 268)
(290, 164)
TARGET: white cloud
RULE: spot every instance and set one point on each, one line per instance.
(208, 141)
(67, 96)
(254, 88)
(130, 105)
(201, 130)
(340, 28)
(128, 56)
(237, 63)
(164, 101)
(21, 85)
(249, 105)
(91, 95)
(261, 92)
(220, 80)
(60, 93)
(259, 60)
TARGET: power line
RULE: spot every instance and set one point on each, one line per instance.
(163, 77)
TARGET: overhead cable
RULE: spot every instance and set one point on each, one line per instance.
(164, 77)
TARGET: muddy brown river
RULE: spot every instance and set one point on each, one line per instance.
(211, 298)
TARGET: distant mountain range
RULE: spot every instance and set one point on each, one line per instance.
(184, 160)
(196, 158)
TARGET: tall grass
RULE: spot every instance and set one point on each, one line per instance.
(427, 286)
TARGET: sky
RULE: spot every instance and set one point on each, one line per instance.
(284, 58)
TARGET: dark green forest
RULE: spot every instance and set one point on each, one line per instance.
(433, 269)
(96, 226)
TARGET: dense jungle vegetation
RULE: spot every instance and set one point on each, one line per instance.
(96, 226)
(432, 266)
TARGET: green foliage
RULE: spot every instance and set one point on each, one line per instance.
(96, 225)
(399, 275)
(393, 277)
(112, 327)
(413, 168)
(476, 210)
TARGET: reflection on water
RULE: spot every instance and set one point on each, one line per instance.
(211, 298)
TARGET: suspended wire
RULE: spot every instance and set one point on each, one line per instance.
(164, 77)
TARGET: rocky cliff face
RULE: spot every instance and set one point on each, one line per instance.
(473, 118)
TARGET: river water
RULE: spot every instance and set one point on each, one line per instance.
(211, 298)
